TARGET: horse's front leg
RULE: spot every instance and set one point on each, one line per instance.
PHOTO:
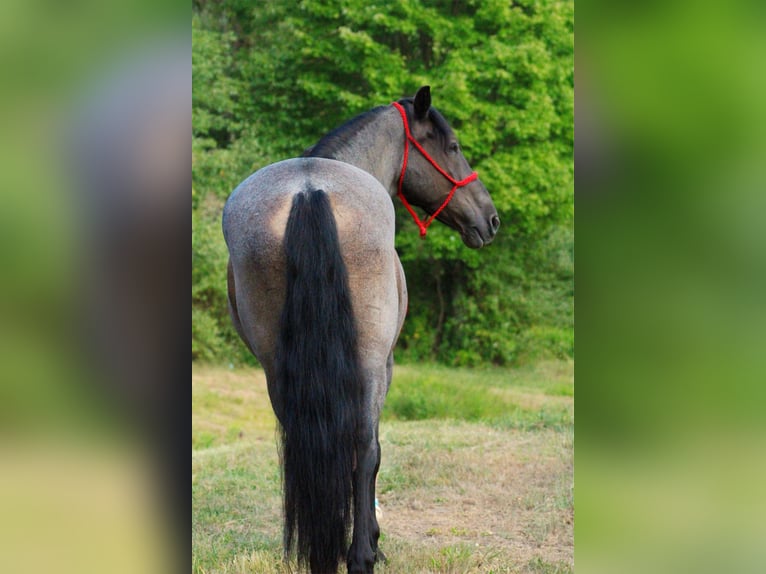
(364, 545)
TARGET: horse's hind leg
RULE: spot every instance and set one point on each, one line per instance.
(363, 552)
(375, 529)
(364, 546)
(379, 556)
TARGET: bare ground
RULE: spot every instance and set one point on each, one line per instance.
(506, 491)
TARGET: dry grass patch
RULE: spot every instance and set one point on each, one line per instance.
(229, 405)
(507, 494)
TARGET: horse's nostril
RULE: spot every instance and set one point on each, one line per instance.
(494, 223)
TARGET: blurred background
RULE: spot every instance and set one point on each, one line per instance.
(671, 254)
(94, 106)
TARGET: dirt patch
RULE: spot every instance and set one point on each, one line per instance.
(477, 486)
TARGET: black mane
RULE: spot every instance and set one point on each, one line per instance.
(330, 143)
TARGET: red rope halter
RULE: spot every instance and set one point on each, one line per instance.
(423, 226)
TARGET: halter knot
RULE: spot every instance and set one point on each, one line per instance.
(408, 137)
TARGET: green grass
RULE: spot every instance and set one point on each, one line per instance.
(230, 486)
(524, 398)
(476, 474)
(229, 406)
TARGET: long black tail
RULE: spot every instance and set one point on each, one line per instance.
(318, 373)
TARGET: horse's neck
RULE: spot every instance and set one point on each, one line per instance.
(378, 149)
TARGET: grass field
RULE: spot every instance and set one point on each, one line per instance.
(476, 474)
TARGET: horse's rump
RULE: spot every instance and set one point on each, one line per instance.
(255, 218)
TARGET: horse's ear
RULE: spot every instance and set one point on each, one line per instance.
(422, 102)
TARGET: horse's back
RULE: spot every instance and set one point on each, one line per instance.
(254, 222)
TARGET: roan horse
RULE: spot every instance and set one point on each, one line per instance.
(318, 294)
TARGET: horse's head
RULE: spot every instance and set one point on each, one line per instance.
(470, 210)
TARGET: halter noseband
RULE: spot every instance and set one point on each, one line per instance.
(423, 226)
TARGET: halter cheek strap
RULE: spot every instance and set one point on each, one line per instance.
(408, 138)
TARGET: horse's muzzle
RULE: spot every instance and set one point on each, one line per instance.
(476, 237)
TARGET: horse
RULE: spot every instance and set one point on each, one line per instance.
(318, 294)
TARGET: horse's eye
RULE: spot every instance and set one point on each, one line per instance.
(454, 147)
(430, 135)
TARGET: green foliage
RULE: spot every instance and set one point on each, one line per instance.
(271, 78)
(213, 336)
(522, 309)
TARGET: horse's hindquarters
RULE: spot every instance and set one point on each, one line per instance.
(254, 224)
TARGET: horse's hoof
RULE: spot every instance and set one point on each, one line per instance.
(359, 569)
(380, 557)
(361, 563)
